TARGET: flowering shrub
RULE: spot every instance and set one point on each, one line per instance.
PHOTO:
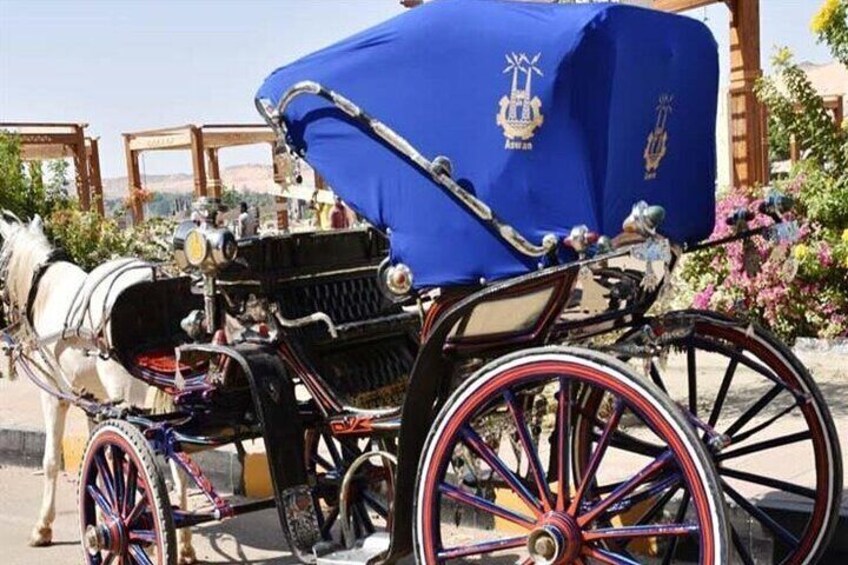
(796, 290)
(800, 289)
(91, 240)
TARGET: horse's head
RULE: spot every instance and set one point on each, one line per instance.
(22, 248)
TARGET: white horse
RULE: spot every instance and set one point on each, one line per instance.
(24, 249)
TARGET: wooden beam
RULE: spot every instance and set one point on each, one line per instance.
(161, 142)
(681, 5)
(214, 170)
(281, 164)
(133, 182)
(197, 162)
(40, 152)
(81, 170)
(748, 130)
(95, 180)
(218, 139)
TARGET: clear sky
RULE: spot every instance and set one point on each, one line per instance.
(131, 65)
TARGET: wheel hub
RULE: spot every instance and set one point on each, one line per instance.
(556, 539)
(107, 536)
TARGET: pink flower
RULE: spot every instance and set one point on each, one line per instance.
(825, 255)
(702, 299)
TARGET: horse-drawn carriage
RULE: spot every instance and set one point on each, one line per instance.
(477, 375)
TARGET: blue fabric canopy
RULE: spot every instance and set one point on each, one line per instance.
(554, 115)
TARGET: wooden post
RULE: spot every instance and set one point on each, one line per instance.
(748, 127)
(93, 157)
(282, 207)
(81, 168)
(214, 172)
(197, 162)
(133, 182)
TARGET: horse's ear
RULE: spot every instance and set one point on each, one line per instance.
(36, 225)
(5, 228)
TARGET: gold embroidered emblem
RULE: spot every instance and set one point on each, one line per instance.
(656, 147)
(520, 113)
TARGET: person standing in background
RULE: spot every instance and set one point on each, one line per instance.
(338, 217)
(246, 225)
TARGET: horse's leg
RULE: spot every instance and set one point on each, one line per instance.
(55, 412)
(185, 550)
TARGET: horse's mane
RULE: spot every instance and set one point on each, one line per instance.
(22, 251)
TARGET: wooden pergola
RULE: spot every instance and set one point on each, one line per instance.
(45, 141)
(748, 131)
(204, 142)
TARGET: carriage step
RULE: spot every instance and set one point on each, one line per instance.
(367, 550)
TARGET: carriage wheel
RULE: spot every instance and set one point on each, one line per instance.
(125, 512)
(766, 423)
(541, 512)
(371, 490)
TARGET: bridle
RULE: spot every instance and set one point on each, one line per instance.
(14, 312)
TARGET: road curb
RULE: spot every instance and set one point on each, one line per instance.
(24, 447)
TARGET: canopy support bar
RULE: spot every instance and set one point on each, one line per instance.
(397, 142)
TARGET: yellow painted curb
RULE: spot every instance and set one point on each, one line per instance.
(509, 500)
(73, 447)
(257, 477)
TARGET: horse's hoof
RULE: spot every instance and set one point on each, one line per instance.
(187, 556)
(41, 537)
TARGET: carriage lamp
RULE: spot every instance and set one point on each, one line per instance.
(203, 248)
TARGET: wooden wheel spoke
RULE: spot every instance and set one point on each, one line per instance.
(110, 558)
(475, 501)
(102, 501)
(738, 438)
(377, 505)
(740, 547)
(761, 516)
(657, 506)
(329, 520)
(118, 476)
(626, 488)
(734, 353)
(626, 442)
(768, 482)
(105, 474)
(529, 449)
(631, 532)
(142, 537)
(755, 409)
(767, 444)
(661, 486)
(476, 444)
(692, 374)
(138, 555)
(564, 446)
(681, 513)
(129, 492)
(136, 511)
(597, 455)
(482, 547)
(605, 556)
(657, 378)
(722, 392)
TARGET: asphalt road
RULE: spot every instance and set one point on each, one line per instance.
(254, 538)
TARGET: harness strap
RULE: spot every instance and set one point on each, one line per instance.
(55, 256)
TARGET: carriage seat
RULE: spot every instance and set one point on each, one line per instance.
(145, 323)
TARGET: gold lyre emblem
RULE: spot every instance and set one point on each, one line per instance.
(656, 147)
(520, 113)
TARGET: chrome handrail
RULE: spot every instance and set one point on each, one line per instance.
(434, 168)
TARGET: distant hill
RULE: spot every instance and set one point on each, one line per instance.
(246, 178)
